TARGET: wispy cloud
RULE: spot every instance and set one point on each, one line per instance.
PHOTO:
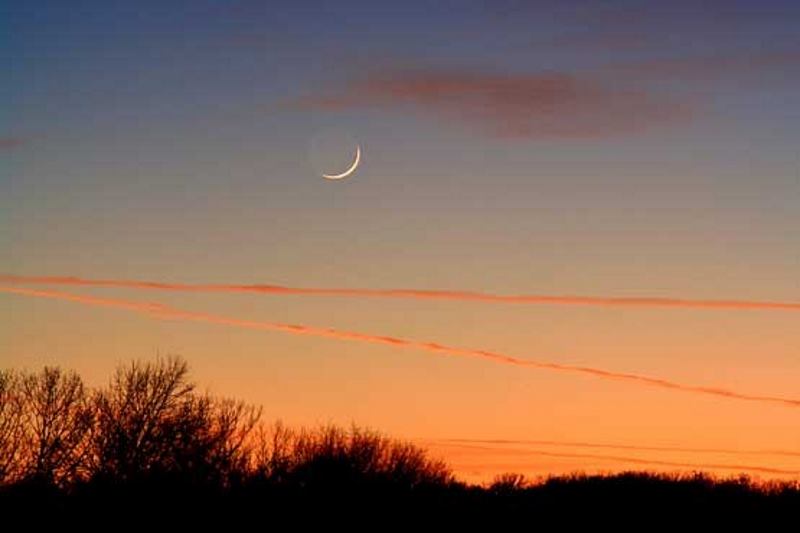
(8, 143)
(605, 100)
(468, 296)
(544, 105)
(164, 312)
(502, 443)
(516, 466)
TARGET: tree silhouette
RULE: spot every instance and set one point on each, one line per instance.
(56, 421)
(11, 427)
(228, 434)
(140, 419)
(148, 444)
(150, 422)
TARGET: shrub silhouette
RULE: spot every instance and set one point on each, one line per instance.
(331, 455)
(508, 482)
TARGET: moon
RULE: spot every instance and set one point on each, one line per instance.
(350, 170)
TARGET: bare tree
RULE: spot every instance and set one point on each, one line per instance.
(150, 421)
(135, 413)
(273, 451)
(230, 446)
(56, 423)
(11, 427)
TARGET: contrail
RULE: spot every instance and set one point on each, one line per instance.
(636, 460)
(163, 312)
(414, 294)
(631, 447)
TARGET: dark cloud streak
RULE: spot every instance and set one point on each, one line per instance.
(545, 105)
(9, 143)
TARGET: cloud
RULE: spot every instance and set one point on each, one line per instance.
(163, 312)
(500, 443)
(469, 296)
(545, 105)
(9, 143)
(617, 458)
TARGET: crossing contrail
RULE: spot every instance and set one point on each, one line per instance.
(164, 312)
(467, 296)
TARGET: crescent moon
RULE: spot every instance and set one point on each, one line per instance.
(350, 170)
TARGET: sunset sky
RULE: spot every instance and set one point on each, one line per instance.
(612, 150)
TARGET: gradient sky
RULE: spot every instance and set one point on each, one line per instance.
(614, 149)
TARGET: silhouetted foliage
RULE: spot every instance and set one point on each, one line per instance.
(331, 456)
(45, 420)
(142, 416)
(508, 482)
(149, 444)
(11, 428)
(152, 423)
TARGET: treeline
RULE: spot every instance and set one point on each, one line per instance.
(150, 422)
(149, 443)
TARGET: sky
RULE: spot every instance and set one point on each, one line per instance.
(609, 150)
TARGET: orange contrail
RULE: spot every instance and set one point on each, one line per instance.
(635, 460)
(413, 294)
(163, 312)
(631, 447)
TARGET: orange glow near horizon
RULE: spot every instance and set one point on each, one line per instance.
(478, 459)
(503, 459)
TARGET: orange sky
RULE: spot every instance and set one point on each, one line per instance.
(602, 198)
(588, 446)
